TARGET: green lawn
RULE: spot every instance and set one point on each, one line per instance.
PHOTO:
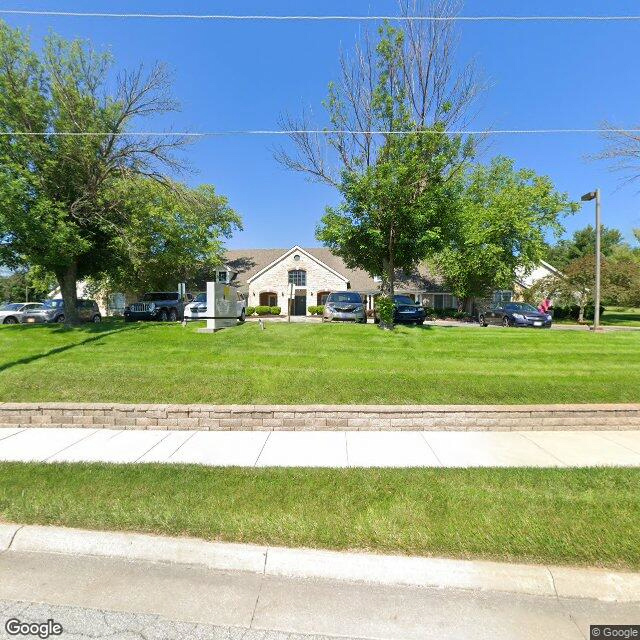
(560, 516)
(314, 363)
(621, 316)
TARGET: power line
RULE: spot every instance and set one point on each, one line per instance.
(394, 18)
(285, 132)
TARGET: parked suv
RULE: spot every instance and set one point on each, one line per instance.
(53, 311)
(157, 305)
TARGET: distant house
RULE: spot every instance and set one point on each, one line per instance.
(306, 277)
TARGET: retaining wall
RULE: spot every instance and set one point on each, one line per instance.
(322, 417)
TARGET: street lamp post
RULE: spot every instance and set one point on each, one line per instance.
(587, 197)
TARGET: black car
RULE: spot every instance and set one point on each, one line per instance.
(515, 314)
(405, 310)
(157, 305)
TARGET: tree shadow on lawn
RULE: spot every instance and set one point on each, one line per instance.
(102, 331)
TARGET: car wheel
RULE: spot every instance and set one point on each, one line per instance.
(173, 315)
(482, 321)
(163, 315)
(506, 322)
(97, 318)
(242, 316)
(60, 319)
(10, 320)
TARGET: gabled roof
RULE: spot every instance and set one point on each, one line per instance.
(248, 263)
(297, 249)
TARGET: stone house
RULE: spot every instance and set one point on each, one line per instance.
(305, 277)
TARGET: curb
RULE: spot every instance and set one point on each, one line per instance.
(537, 580)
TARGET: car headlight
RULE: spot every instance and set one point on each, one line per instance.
(549, 316)
(152, 307)
(329, 306)
(518, 316)
(358, 307)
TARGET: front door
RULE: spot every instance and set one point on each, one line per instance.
(300, 305)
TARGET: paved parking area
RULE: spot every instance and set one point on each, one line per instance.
(326, 448)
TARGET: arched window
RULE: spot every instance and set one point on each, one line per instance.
(298, 277)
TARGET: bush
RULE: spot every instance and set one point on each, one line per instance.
(250, 311)
(444, 314)
(312, 309)
(571, 312)
(384, 307)
(320, 309)
(316, 310)
(263, 310)
(275, 311)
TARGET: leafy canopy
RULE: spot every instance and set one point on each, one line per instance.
(499, 230)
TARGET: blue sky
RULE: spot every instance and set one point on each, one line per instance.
(244, 75)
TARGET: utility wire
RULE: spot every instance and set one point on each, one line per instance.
(394, 18)
(285, 132)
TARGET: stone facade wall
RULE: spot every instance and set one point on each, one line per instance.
(322, 417)
(276, 280)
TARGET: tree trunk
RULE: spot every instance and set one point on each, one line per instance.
(388, 286)
(68, 281)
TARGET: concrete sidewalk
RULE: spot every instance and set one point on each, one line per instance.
(325, 448)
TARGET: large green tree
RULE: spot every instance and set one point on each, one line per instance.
(583, 243)
(174, 233)
(499, 229)
(388, 148)
(64, 121)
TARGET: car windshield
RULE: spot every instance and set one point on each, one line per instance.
(403, 300)
(14, 306)
(520, 306)
(344, 296)
(160, 295)
(53, 304)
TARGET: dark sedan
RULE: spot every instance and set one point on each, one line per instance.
(515, 314)
(407, 311)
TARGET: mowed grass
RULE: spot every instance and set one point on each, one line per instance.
(621, 316)
(559, 516)
(315, 363)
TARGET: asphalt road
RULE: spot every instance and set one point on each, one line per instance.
(124, 600)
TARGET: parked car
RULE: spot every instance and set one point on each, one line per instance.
(344, 305)
(405, 310)
(157, 305)
(198, 308)
(53, 311)
(13, 312)
(515, 314)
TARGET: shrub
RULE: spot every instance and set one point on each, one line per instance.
(250, 311)
(320, 309)
(312, 309)
(571, 312)
(384, 307)
(275, 311)
(263, 310)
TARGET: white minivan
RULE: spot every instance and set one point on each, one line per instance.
(198, 307)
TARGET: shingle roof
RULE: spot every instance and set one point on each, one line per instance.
(248, 262)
